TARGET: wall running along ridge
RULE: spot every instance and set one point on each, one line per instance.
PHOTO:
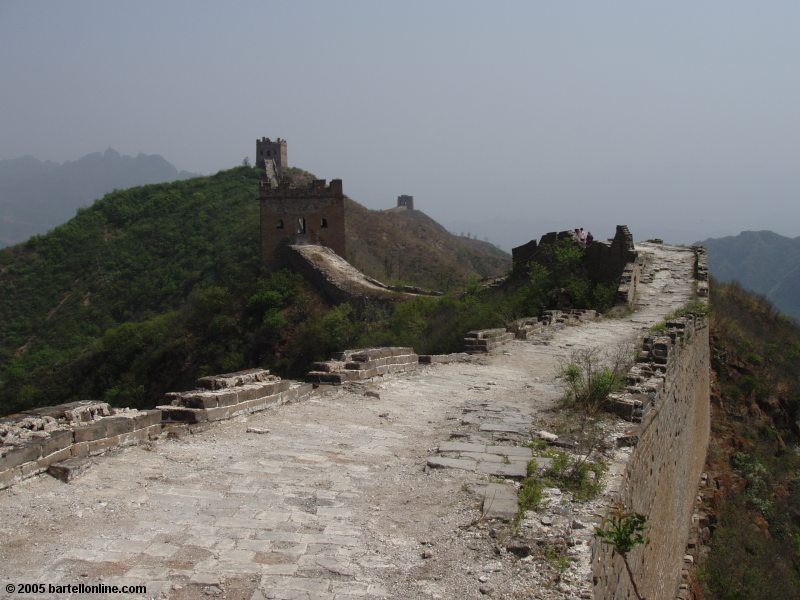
(669, 394)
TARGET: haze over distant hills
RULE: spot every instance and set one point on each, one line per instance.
(761, 261)
(36, 195)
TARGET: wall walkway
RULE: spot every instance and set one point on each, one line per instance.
(339, 496)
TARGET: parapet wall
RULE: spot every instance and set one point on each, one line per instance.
(483, 341)
(37, 440)
(669, 393)
(225, 396)
(60, 439)
(366, 363)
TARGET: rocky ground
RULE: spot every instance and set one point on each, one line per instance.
(333, 498)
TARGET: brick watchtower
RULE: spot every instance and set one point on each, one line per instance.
(405, 202)
(266, 149)
(311, 214)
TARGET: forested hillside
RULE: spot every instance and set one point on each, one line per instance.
(753, 461)
(152, 286)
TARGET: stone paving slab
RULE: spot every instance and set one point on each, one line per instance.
(500, 501)
(461, 447)
(512, 470)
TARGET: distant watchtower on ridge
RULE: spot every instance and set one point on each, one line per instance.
(405, 202)
(267, 150)
(292, 214)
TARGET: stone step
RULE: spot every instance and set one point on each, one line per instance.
(69, 469)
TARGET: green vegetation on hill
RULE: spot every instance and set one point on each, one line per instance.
(153, 286)
(415, 248)
(753, 461)
(437, 325)
(36, 196)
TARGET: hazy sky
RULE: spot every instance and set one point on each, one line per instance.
(506, 119)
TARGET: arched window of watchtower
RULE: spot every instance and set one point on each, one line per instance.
(280, 224)
(324, 223)
(301, 225)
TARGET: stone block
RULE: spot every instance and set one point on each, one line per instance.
(260, 390)
(54, 457)
(68, 470)
(30, 469)
(79, 450)
(461, 447)
(229, 380)
(7, 478)
(227, 398)
(180, 414)
(57, 440)
(18, 455)
(500, 502)
(514, 470)
(225, 412)
(322, 377)
(146, 418)
(328, 366)
(133, 437)
(92, 431)
(119, 425)
(520, 451)
(290, 394)
(297, 392)
(154, 431)
(101, 446)
(199, 400)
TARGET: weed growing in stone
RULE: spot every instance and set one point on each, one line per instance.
(530, 494)
(579, 476)
(591, 376)
(623, 530)
(558, 559)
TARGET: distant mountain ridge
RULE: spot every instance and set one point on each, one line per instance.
(761, 261)
(36, 195)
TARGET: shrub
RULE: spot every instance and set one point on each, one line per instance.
(590, 377)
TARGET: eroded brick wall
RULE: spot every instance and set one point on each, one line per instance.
(663, 471)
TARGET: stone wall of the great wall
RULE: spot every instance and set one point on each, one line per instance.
(672, 384)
